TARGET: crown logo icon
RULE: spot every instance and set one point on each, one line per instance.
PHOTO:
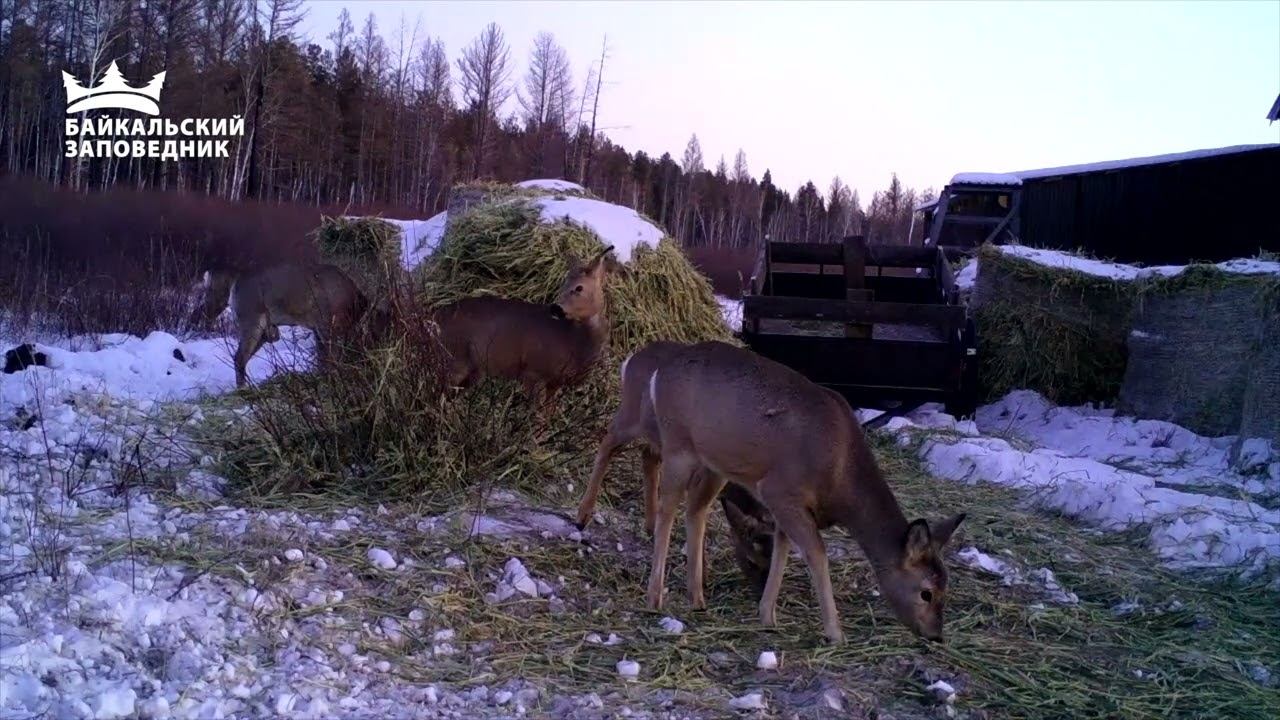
(113, 92)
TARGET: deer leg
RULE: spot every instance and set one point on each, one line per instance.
(613, 439)
(651, 465)
(773, 584)
(799, 526)
(706, 485)
(675, 479)
(251, 336)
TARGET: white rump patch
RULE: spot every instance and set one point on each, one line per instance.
(623, 372)
(653, 389)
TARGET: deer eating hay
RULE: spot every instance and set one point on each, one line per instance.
(797, 448)
(634, 420)
(319, 297)
(543, 347)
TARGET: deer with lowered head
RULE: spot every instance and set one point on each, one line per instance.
(543, 347)
(634, 420)
(316, 296)
(797, 448)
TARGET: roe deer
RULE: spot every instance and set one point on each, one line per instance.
(544, 347)
(316, 296)
(634, 420)
(797, 448)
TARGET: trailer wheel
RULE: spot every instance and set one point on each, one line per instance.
(964, 402)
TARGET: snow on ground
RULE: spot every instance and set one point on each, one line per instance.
(1120, 474)
(100, 615)
(968, 275)
(104, 614)
(157, 367)
(551, 184)
(419, 238)
(732, 311)
(617, 225)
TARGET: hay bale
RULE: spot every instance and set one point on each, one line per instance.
(1198, 353)
(368, 249)
(1260, 414)
(1058, 331)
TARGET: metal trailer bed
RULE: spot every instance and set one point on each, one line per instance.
(880, 324)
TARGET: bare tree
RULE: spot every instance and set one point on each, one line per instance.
(103, 24)
(485, 81)
(595, 111)
(432, 103)
(548, 91)
(273, 20)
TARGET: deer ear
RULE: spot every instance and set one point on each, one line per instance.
(919, 540)
(943, 529)
(597, 263)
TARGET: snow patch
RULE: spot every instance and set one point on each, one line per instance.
(1129, 488)
(617, 225)
(732, 312)
(420, 238)
(551, 184)
(1119, 271)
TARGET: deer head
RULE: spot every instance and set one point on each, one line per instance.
(581, 295)
(916, 586)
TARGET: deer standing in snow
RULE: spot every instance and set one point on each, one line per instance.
(319, 297)
(634, 420)
(543, 347)
(797, 448)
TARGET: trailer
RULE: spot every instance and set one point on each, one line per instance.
(882, 325)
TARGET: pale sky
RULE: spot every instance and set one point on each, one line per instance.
(862, 89)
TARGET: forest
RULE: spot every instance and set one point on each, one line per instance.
(371, 118)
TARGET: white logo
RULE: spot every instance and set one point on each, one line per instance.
(113, 92)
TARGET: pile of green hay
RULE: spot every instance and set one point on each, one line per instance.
(502, 249)
(1057, 331)
(383, 427)
(368, 249)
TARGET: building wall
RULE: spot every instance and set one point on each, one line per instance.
(1208, 209)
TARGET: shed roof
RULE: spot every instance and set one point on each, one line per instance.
(1017, 178)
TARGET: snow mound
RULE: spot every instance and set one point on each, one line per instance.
(419, 238)
(968, 276)
(617, 225)
(157, 367)
(1119, 474)
(551, 184)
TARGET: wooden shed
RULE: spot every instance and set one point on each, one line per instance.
(1204, 205)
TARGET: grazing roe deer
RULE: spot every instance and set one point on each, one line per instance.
(544, 347)
(797, 447)
(319, 297)
(634, 420)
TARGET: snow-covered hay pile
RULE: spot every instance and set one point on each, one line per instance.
(383, 426)
(508, 249)
(1060, 331)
